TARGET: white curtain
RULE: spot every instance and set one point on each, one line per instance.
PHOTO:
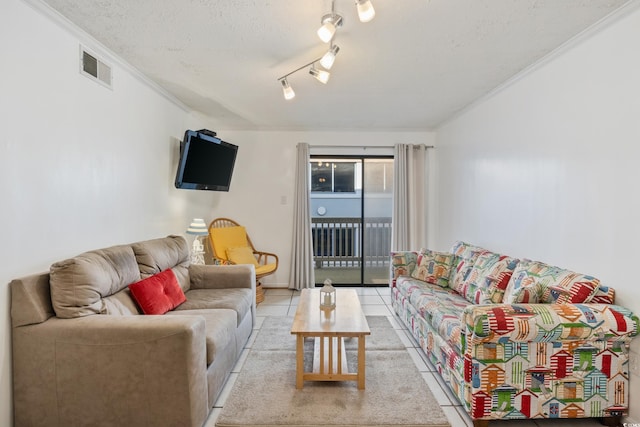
(409, 222)
(302, 274)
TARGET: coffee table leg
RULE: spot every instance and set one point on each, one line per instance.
(361, 358)
(299, 361)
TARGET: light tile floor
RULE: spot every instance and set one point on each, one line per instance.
(377, 302)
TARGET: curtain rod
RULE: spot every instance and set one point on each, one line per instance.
(365, 146)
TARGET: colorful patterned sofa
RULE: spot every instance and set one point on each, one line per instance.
(516, 339)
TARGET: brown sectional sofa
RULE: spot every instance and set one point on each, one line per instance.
(83, 354)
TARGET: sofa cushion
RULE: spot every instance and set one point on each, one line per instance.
(220, 330)
(554, 284)
(237, 299)
(604, 295)
(567, 286)
(158, 294)
(156, 255)
(465, 256)
(433, 267)
(94, 282)
(441, 307)
(488, 278)
(522, 287)
(403, 263)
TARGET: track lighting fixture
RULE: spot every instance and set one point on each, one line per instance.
(366, 12)
(321, 75)
(330, 23)
(287, 90)
(329, 58)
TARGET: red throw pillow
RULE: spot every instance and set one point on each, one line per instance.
(159, 293)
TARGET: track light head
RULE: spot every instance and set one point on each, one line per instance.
(287, 90)
(321, 75)
(366, 12)
(329, 58)
(330, 23)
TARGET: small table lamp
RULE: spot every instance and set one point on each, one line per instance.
(197, 228)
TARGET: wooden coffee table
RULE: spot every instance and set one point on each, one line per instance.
(329, 328)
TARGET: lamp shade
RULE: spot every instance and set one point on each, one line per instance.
(321, 75)
(329, 58)
(326, 32)
(287, 90)
(198, 227)
(366, 12)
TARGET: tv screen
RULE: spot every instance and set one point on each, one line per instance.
(206, 162)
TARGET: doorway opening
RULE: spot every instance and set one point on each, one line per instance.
(351, 207)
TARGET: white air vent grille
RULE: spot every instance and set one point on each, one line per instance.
(94, 68)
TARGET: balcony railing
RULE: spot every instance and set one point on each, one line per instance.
(341, 242)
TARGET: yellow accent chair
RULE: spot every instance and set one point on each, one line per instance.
(230, 244)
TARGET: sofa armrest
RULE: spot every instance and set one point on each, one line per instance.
(103, 369)
(402, 264)
(222, 276)
(547, 323)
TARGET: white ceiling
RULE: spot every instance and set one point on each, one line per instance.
(415, 65)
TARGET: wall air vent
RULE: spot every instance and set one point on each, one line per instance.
(94, 68)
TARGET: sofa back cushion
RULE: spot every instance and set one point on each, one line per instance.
(488, 278)
(433, 267)
(464, 257)
(403, 263)
(156, 255)
(604, 295)
(549, 284)
(94, 282)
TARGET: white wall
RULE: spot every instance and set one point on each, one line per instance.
(262, 187)
(548, 167)
(81, 166)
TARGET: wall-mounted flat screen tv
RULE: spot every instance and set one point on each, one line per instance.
(206, 162)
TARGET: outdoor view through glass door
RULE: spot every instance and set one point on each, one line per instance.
(351, 206)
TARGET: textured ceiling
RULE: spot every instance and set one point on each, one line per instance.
(416, 64)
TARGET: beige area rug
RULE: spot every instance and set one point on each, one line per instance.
(265, 393)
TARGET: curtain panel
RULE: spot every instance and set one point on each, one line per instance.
(409, 221)
(302, 273)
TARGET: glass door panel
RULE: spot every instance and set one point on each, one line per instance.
(351, 219)
(378, 207)
(336, 217)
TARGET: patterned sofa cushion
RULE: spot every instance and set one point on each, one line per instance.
(465, 256)
(549, 284)
(604, 295)
(433, 267)
(441, 307)
(488, 279)
(402, 264)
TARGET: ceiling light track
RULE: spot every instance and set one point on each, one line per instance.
(330, 23)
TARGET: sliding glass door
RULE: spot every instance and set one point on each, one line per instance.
(351, 205)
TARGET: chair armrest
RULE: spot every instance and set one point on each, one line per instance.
(547, 323)
(102, 369)
(222, 276)
(265, 258)
(402, 264)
